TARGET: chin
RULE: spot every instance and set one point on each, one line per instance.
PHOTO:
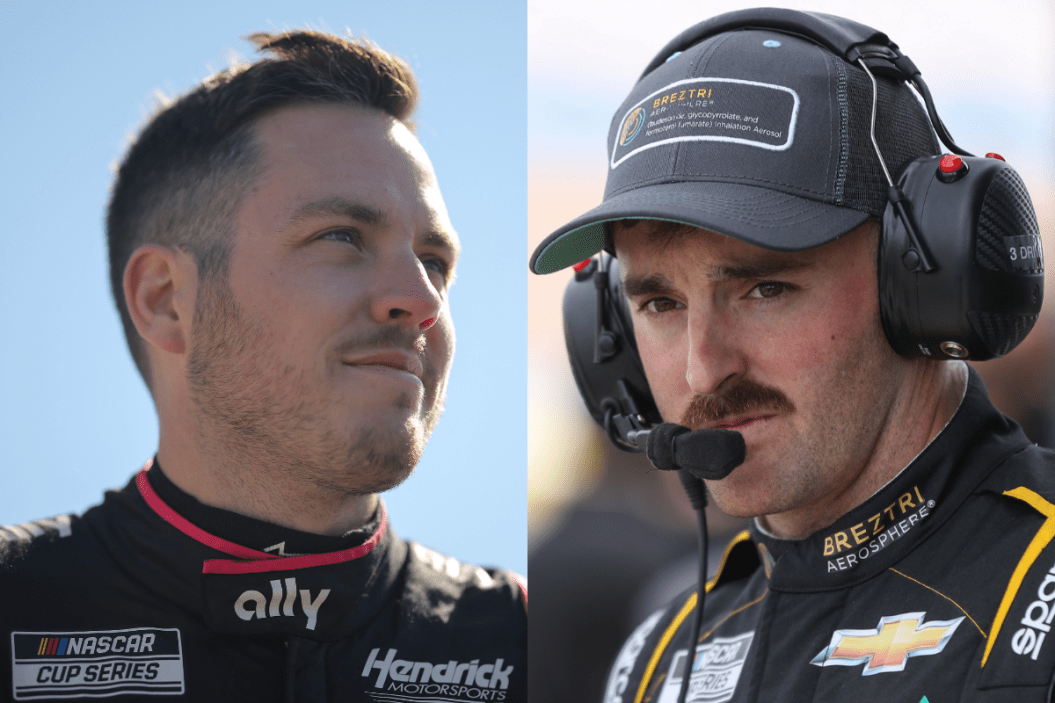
(746, 494)
(367, 457)
(375, 470)
(382, 481)
(381, 451)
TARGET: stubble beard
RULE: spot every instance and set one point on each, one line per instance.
(265, 423)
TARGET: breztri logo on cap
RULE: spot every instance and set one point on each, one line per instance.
(711, 110)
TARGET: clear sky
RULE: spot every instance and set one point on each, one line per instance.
(78, 79)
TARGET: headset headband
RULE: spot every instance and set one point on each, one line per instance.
(852, 41)
(846, 38)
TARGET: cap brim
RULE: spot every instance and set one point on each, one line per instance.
(758, 216)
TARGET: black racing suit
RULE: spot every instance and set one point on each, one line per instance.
(939, 588)
(152, 593)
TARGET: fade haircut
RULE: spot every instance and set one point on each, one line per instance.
(182, 180)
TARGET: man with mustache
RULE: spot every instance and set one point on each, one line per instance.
(281, 257)
(901, 545)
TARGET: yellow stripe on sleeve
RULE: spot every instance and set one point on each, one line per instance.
(1036, 546)
(661, 647)
(687, 608)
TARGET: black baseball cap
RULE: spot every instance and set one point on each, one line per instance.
(755, 134)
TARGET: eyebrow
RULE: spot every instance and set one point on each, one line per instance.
(341, 207)
(443, 240)
(652, 284)
(659, 284)
(765, 268)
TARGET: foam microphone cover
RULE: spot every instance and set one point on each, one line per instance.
(706, 454)
(659, 447)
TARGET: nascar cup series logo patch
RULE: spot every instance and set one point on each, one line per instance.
(96, 664)
(713, 672)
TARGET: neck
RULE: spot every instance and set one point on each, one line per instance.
(247, 483)
(925, 403)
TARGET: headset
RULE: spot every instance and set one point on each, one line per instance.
(961, 270)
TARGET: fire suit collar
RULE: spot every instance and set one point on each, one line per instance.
(254, 535)
(249, 592)
(904, 513)
(327, 602)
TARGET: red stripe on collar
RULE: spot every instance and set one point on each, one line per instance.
(186, 527)
(226, 566)
(260, 561)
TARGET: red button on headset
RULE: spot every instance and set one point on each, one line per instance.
(582, 264)
(950, 163)
(951, 168)
(994, 155)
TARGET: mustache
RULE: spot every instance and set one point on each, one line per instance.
(390, 337)
(387, 336)
(744, 397)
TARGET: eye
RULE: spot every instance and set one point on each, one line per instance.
(349, 236)
(436, 264)
(660, 305)
(439, 271)
(769, 289)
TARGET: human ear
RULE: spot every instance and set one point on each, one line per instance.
(159, 286)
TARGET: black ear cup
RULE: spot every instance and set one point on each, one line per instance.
(603, 352)
(977, 221)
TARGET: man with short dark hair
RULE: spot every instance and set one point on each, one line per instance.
(902, 535)
(281, 257)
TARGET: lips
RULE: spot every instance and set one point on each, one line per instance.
(739, 422)
(391, 359)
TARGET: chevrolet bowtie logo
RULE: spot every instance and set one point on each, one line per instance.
(889, 646)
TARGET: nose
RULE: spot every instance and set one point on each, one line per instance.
(405, 294)
(715, 358)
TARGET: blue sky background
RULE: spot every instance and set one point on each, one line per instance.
(78, 80)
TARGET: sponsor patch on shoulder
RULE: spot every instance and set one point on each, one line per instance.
(440, 562)
(59, 525)
(97, 663)
(619, 678)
